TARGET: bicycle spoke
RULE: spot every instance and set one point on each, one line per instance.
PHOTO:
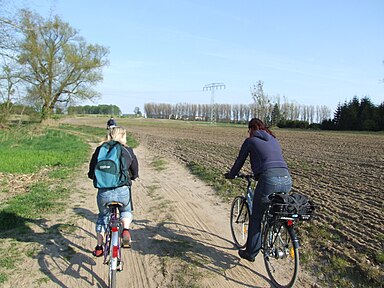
(239, 221)
(280, 255)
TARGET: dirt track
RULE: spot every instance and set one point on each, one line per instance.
(181, 237)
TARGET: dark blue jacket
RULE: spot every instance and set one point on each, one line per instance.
(265, 153)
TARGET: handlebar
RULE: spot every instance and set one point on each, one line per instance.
(245, 176)
(248, 177)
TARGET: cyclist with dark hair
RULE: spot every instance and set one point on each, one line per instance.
(271, 171)
(111, 123)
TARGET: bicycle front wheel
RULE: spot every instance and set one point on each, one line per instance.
(281, 254)
(112, 278)
(239, 221)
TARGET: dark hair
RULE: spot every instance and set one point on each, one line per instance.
(257, 124)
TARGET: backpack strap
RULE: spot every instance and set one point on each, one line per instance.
(129, 153)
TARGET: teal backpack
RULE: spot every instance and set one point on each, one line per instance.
(111, 169)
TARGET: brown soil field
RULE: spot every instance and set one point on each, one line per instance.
(342, 172)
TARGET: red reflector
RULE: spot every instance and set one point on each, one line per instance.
(289, 223)
(115, 250)
(115, 229)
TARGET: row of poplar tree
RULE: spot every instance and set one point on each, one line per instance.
(359, 115)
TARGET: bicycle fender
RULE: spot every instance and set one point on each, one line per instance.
(296, 241)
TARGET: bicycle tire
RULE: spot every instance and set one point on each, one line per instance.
(112, 279)
(239, 221)
(281, 254)
(112, 265)
(114, 254)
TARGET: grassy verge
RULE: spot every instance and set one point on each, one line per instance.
(225, 189)
(26, 151)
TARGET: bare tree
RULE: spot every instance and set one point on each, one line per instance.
(9, 94)
(263, 103)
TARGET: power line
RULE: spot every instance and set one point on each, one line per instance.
(212, 87)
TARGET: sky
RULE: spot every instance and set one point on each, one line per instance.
(320, 52)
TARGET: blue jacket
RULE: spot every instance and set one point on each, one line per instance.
(265, 153)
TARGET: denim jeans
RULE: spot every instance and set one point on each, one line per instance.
(104, 196)
(271, 181)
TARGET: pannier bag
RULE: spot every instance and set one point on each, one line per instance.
(111, 168)
(292, 205)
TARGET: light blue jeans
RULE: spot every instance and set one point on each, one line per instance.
(271, 181)
(104, 196)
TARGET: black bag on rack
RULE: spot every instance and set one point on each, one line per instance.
(292, 205)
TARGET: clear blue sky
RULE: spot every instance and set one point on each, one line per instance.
(311, 52)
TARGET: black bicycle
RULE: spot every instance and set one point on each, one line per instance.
(280, 245)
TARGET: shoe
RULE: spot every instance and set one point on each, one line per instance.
(99, 251)
(119, 266)
(126, 238)
(243, 254)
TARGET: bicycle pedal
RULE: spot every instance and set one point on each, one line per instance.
(126, 245)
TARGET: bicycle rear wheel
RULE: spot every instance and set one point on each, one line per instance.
(281, 254)
(239, 221)
(114, 256)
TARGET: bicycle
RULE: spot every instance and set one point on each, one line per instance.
(112, 251)
(280, 245)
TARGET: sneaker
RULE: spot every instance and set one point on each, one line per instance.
(126, 238)
(98, 251)
(243, 254)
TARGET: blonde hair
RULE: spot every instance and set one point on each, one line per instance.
(117, 133)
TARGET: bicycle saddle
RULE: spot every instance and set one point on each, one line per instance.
(114, 204)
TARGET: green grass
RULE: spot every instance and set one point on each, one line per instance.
(28, 153)
(7, 263)
(379, 257)
(159, 164)
(3, 277)
(224, 188)
(37, 203)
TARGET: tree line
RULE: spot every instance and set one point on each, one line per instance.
(357, 115)
(99, 109)
(237, 113)
(265, 107)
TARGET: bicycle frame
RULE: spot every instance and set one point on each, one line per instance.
(112, 252)
(249, 191)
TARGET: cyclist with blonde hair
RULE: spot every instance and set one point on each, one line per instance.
(121, 194)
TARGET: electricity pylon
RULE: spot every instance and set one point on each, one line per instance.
(212, 87)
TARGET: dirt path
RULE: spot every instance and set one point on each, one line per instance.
(181, 237)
